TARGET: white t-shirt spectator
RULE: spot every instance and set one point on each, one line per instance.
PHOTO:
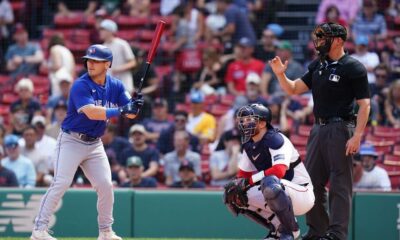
(377, 179)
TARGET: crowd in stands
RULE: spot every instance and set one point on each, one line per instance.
(212, 60)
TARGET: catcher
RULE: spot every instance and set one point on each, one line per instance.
(272, 185)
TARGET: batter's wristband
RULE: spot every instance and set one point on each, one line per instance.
(112, 112)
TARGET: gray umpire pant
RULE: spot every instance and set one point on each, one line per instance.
(326, 161)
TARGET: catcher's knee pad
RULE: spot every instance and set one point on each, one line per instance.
(279, 202)
(273, 193)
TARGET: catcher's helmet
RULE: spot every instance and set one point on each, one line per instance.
(98, 52)
(248, 117)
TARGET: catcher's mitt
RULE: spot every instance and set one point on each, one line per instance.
(235, 195)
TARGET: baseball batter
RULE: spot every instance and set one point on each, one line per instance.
(272, 184)
(94, 98)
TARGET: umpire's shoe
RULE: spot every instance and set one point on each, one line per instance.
(329, 236)
(41, 235)
(110, 235)
(308, 236)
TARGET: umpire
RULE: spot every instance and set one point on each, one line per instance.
(335, 80)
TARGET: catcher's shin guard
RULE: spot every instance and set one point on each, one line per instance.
(279, 203)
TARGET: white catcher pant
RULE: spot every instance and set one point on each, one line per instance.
(302, 199)
(71, 153)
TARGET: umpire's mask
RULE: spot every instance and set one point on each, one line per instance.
(324, 34)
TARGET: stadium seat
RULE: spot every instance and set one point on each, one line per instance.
(298, 140)
(146, 35)
(227, 99)
(380, 141)
(128, 35)
(9, 98)
(384, 149)
(396, 150)
(304, 130)
(128, 22)
(391, 160)
(218, 109)
(383, 131)
(73, 21)
(4, 79)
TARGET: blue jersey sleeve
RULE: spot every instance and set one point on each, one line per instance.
(80, 95)
(124, 96)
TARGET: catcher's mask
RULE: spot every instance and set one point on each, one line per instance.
(249, 116)
(324, 34)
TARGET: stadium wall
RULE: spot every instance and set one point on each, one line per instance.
(176, 214)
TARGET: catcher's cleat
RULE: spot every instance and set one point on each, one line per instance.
(41, 235)
(272, 236)
(110, 235)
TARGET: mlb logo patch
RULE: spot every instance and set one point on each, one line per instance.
(334, 78)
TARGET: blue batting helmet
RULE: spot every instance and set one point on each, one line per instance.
(98, 52)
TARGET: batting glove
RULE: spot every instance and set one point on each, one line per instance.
(133, 107)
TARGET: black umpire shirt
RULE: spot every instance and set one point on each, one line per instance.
(335, 84)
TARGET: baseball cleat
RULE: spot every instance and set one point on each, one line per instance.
(41, 235)
(108, 236)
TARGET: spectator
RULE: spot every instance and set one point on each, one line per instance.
(124, 60)
(159, 120)
(181, 153)
(7, 177)
(168, 6)
(138, 8)
(373, 177)
(135, 172)
(44, 143)
(118, 174)
(269, 82)
(369, 59)
(278, 106)
(379, 91)
(224, 163)
(2, 134)
(111, 140)
(20, 165)
(267, 49)
(253, 89)
(165, 143)
(99, 15)
(7, 18)
(200, 123)
(348, 9)
(150, 87)
(139, 147)
(25, 107)
(70, 7)
(23, 57)
(332, 14)
(392, 105)
(60, 112)
(187, 177)
(370, 23)
(243, 64)
(187, 27)
(61, 64)
(210, 79)
(64, 81)
(237, 25)
(393, 60)
(36, 155)
(227, 121)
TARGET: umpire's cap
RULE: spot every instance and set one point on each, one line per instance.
(99, 52)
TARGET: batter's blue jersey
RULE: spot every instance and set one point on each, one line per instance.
(85, 92)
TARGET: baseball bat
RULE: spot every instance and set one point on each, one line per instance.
(153, 48)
